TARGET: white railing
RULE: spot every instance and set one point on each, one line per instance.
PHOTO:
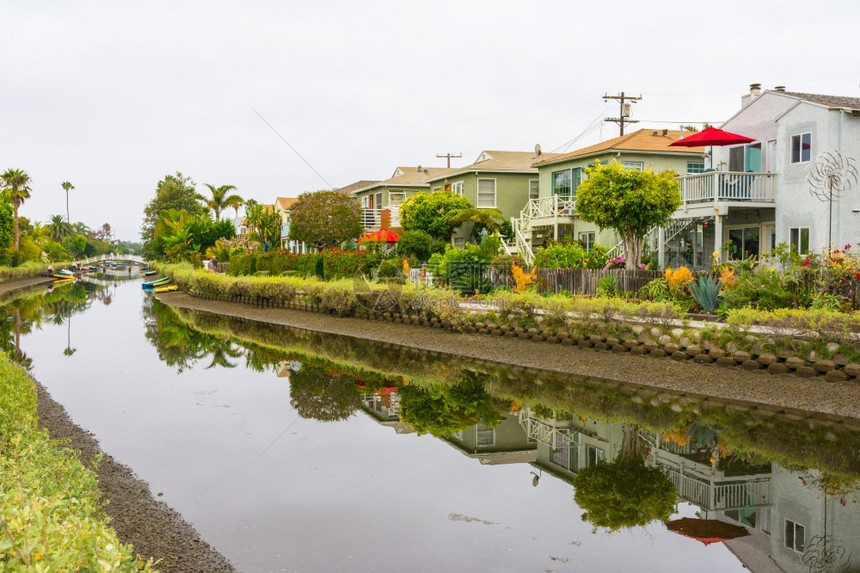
(728, 186)
(549, 210)
(547, 434)
(113, 257)
(395, 215)
(371, 219)
(721, 496)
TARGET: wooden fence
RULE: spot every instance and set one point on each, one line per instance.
(586, 281)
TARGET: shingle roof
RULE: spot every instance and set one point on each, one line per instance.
(828, 100)
(642, 140)
(490, 160)
(284, 203)
(357, 185)
(408, 177)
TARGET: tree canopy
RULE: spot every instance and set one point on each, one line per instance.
(324, 219)
(264, 224)
(222, 199)
(432, 213)
(6, 222)
(628, 201)
(173, 192)
(17, 183)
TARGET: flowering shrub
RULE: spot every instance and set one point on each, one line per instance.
(523, 278)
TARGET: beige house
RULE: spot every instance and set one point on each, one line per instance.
(282, 207)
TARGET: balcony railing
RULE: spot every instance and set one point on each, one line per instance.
(374, 219)
(732, 186)
(555, 206)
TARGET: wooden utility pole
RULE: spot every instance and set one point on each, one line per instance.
(624, 116)
(448, 156)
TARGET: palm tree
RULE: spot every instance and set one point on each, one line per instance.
(17, 183)
(221, 200)
(60, 228)
(68, 187)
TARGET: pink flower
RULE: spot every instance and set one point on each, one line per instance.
(806, 262)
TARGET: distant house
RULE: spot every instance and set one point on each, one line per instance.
(503, 180)
(282, 207)
(380, 200)
(759, 195)
(553, 214)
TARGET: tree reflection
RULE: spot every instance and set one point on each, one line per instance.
(323, 396)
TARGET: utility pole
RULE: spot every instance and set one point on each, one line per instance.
(625, 109)
(448, 156)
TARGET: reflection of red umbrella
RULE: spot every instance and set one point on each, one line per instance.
(382, 236)
(712, 136)
(706, 530)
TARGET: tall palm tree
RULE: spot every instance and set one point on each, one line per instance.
(221, 200)
(59, 228)
(17, 183)
(68, 187)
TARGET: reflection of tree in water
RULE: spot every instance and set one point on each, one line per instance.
(443, 410)
(180, 346)
(624, 492)
(323, 396)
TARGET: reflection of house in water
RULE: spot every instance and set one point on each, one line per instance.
(566, 446)
(505, 443)
(384, 406)
(287, 367)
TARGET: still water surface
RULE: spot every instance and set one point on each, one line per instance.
(288, 450)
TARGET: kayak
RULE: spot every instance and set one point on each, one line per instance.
(168, 288)
(152, 284)
(150, 273)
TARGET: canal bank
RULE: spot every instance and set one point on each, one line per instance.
(815, 395)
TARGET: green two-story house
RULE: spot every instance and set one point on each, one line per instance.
(380, 200)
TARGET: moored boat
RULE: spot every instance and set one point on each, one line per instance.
(152, 284)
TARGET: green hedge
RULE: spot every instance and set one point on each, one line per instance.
(329, 265)
(49, 502)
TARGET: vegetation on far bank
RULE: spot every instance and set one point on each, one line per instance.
(51, 515)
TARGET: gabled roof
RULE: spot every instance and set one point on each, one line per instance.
(407, 177)
(284, 203)
(642, 141)
(499, 161)
(348, 189)
(837, 102)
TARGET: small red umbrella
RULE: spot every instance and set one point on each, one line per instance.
(706, 530)
(712, 136)
(381, 236)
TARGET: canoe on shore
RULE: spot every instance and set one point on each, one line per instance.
(168, 288)
(152, 284)
(150, 273)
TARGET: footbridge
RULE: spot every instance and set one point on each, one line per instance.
(113, 258)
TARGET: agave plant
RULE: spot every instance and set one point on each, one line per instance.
(705, 291)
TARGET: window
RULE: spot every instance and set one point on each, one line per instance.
(486, 435)
(587, 240)
(457, 188)
(801, 147)
(378, 200)
(695, 167)
(486, 194)
(439, 188)
(798, 237)
(459, 242)
(795, 536)
(561, 183)
(594, 455)
(637, 165)
(533, 189)
(745, 242)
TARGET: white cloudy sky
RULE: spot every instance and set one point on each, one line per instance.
(113, 95)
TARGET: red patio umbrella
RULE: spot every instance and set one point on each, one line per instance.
(706, 530)
(711, 136)
(382, 236)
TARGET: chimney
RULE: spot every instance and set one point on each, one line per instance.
(779, 88)
(755, 90)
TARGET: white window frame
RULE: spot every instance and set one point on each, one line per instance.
(799, 139)
(694, 167)
(798, 240)
(458, 188)
(637, 165)
(478, 201)
(534, 188)
(794, 529)
(587, 238)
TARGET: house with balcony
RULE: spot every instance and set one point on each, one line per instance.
(757, 195)
(552, 214)
(380, 200)
(503, 180)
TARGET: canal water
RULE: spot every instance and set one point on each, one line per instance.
(291, 450)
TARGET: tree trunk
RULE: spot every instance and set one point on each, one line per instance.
(632, 249)
(15, 205)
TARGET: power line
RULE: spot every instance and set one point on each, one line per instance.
(625, 109)
(329, 185)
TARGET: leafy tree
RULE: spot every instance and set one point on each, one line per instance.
(628, 201)
(324, 219)
(174, 236)
(7, 221)
(489, 219)
(221, 199)
(443, 410)
(75, 244)
(67, 187)
(264, 224)
(59, 228)
(432, 213)
(414, 244)
(173, 192)
(104, 233)
(625, 492)
(319, 395)
(17, 183)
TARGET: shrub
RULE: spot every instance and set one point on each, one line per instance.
(705, 291)
(414, 244)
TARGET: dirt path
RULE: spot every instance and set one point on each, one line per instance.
(784, 391)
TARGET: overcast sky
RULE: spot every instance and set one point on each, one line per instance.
(113, 95)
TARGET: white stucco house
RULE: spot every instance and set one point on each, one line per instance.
(758, 194)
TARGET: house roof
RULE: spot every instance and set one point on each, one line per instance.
(407, 177)
(838, 102)
(284, 203)
(348, 189)
(642, 140)
(489, 160)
